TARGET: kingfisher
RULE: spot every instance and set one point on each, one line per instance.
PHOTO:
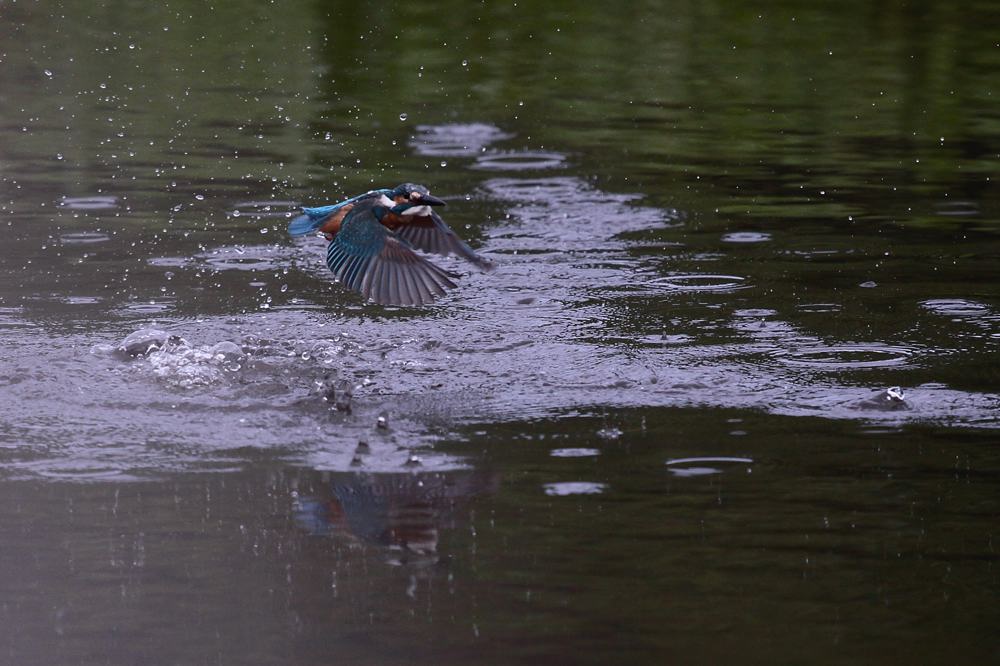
(373, 241)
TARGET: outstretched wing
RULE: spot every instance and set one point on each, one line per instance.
(370, 259)
(430, 234)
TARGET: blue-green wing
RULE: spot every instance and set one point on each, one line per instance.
(370, 259)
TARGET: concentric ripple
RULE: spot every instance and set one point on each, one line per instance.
(90, 203)
(566, 488)
(704, 465)
(456, 139)
(700, 282)
(574, 453)
(83, 237)
(955, 307)
(847, 357)
(746, 237)
(521, 160)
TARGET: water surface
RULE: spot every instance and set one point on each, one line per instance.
(731, 390)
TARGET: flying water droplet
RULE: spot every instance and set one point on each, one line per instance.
(403, 116)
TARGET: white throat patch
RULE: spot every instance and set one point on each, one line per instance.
(420, 211)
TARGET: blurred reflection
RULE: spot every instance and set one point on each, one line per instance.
(400, 512)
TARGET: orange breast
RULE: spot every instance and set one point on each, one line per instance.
(332, 224)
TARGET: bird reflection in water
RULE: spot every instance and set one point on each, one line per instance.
(400, 512)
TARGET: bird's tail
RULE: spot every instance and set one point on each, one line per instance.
(304, 224)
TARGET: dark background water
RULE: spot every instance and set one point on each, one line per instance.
(658, 432)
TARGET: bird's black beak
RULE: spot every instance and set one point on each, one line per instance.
(428, 200)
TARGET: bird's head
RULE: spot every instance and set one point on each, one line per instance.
(409, 195)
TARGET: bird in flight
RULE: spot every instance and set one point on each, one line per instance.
(373, 238)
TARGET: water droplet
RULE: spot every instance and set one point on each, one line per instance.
(169, 275)
(403, 116)
(131, 46)
(444, 163)
(284, 288)
(264, 230)
(465, 63)
(48, 73)
(236, 213)
(199, 197)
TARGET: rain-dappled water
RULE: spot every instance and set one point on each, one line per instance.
(731, 391)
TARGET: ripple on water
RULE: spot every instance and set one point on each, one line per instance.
(150, 307)
(705, 465)
(700, 282)
(520, 160)
(264, 208)
(847, 357)
(957, 208)
(246, 258)
(83, 237)
(539, 190)
(90, 203)
(82, 300)
(955, 307)
(574, 453)
(819, 307)
(566, 488)
(746, 237)
(456, 139)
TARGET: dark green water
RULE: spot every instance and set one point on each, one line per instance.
(659, 432)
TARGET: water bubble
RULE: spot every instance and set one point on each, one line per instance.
(403, 116)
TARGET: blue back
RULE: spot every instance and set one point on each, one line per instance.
(312, 218)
